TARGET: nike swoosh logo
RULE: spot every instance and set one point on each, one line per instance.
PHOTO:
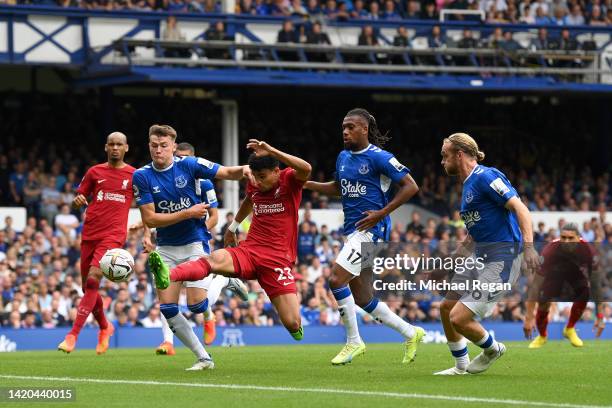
(287, 283)
(100, 181)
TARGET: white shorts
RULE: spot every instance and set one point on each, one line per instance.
(482, 302)
(354, 256)
(176, 255)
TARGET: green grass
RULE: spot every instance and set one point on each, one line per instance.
(556, 374)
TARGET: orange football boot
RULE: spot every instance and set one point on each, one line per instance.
(165, 349)
(68, 344)
(103, 337)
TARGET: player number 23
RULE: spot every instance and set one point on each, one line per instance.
(284, 273)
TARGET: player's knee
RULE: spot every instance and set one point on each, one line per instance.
(446, 307)
(456, 318)
(362, 299)
(292, 324)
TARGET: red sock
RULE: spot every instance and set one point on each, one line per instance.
(576, 313)
(542, 322)
(87, 304)
(98, 312)
(191, 271)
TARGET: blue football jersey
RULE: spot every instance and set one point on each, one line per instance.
(365, 179)
(174, 189)
(489, 222)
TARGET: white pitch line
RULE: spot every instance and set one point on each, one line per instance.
(313, 390)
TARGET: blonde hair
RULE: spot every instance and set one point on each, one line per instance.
(465, 143)
(162, 130)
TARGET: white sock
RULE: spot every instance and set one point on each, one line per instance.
(216, 286)
(488, 344)
(460, 354)
(346, 307)
(390, 319)
(168, 335)
(185, 333)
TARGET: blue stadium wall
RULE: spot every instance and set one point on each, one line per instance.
(48, 339)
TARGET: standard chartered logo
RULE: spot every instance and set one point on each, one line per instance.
(352, 190)
(171, 207)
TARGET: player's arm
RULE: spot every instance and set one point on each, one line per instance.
(83, 191)
(156, 220)
(523, 216)
(302, 167)
(329, 188)
(233, 173)
(212, 219)
(407, 189)
(246, 207)
(147, 241)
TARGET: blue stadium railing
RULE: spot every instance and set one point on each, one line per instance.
(68, 37)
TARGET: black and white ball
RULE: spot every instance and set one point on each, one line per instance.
(117, 265)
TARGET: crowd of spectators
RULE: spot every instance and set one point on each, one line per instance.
(541, 12)
(39, 266)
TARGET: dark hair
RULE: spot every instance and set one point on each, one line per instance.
(186, 146)
(374, 134)
(571, 226)
(258, 163)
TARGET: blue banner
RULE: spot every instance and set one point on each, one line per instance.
(48, 339)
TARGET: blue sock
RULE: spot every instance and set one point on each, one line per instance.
(169, 310)
(199, 307)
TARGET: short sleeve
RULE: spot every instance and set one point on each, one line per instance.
(142, 193)
(391, 167)
(87, 184)
(202, 168)
(209, 196)
(292, 180)
(496, 187)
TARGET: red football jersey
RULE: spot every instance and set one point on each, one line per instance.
(559, 262)
(275, 216)
(111, 192)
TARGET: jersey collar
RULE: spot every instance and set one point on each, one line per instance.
(362, 151)
(471, 172)
(162, 170)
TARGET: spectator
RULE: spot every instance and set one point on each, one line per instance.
(317, 37)
(401, 39)
(287, 35)
(575, 17)
(390, 13)
(297, 9)
(374, 11)
(217, 33)
(51, 199)
(172, 33)
(597, 18)
(359, 10)
(429, 12)
(153, 318)
(65, 222)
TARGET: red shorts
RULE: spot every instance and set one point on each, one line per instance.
(272, 271)
(93, 251)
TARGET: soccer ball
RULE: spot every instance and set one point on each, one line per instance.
(117, 265)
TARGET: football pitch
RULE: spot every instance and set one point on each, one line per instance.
(556, 375)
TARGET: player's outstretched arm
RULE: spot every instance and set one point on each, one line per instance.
(524, 220)
(408, 188)
(329, 188)
(302, 167)
(157, 220)
(245, 209)
(233, 172)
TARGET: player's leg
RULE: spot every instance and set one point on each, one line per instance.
(363, 292)
(457, 344)
(582, 292)
(288, 309)
(167, 346)
(91, 275)
(219, 262)
(179, 325)
(462, 318)
(542, 325)
(198, 302)
(214, 284)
